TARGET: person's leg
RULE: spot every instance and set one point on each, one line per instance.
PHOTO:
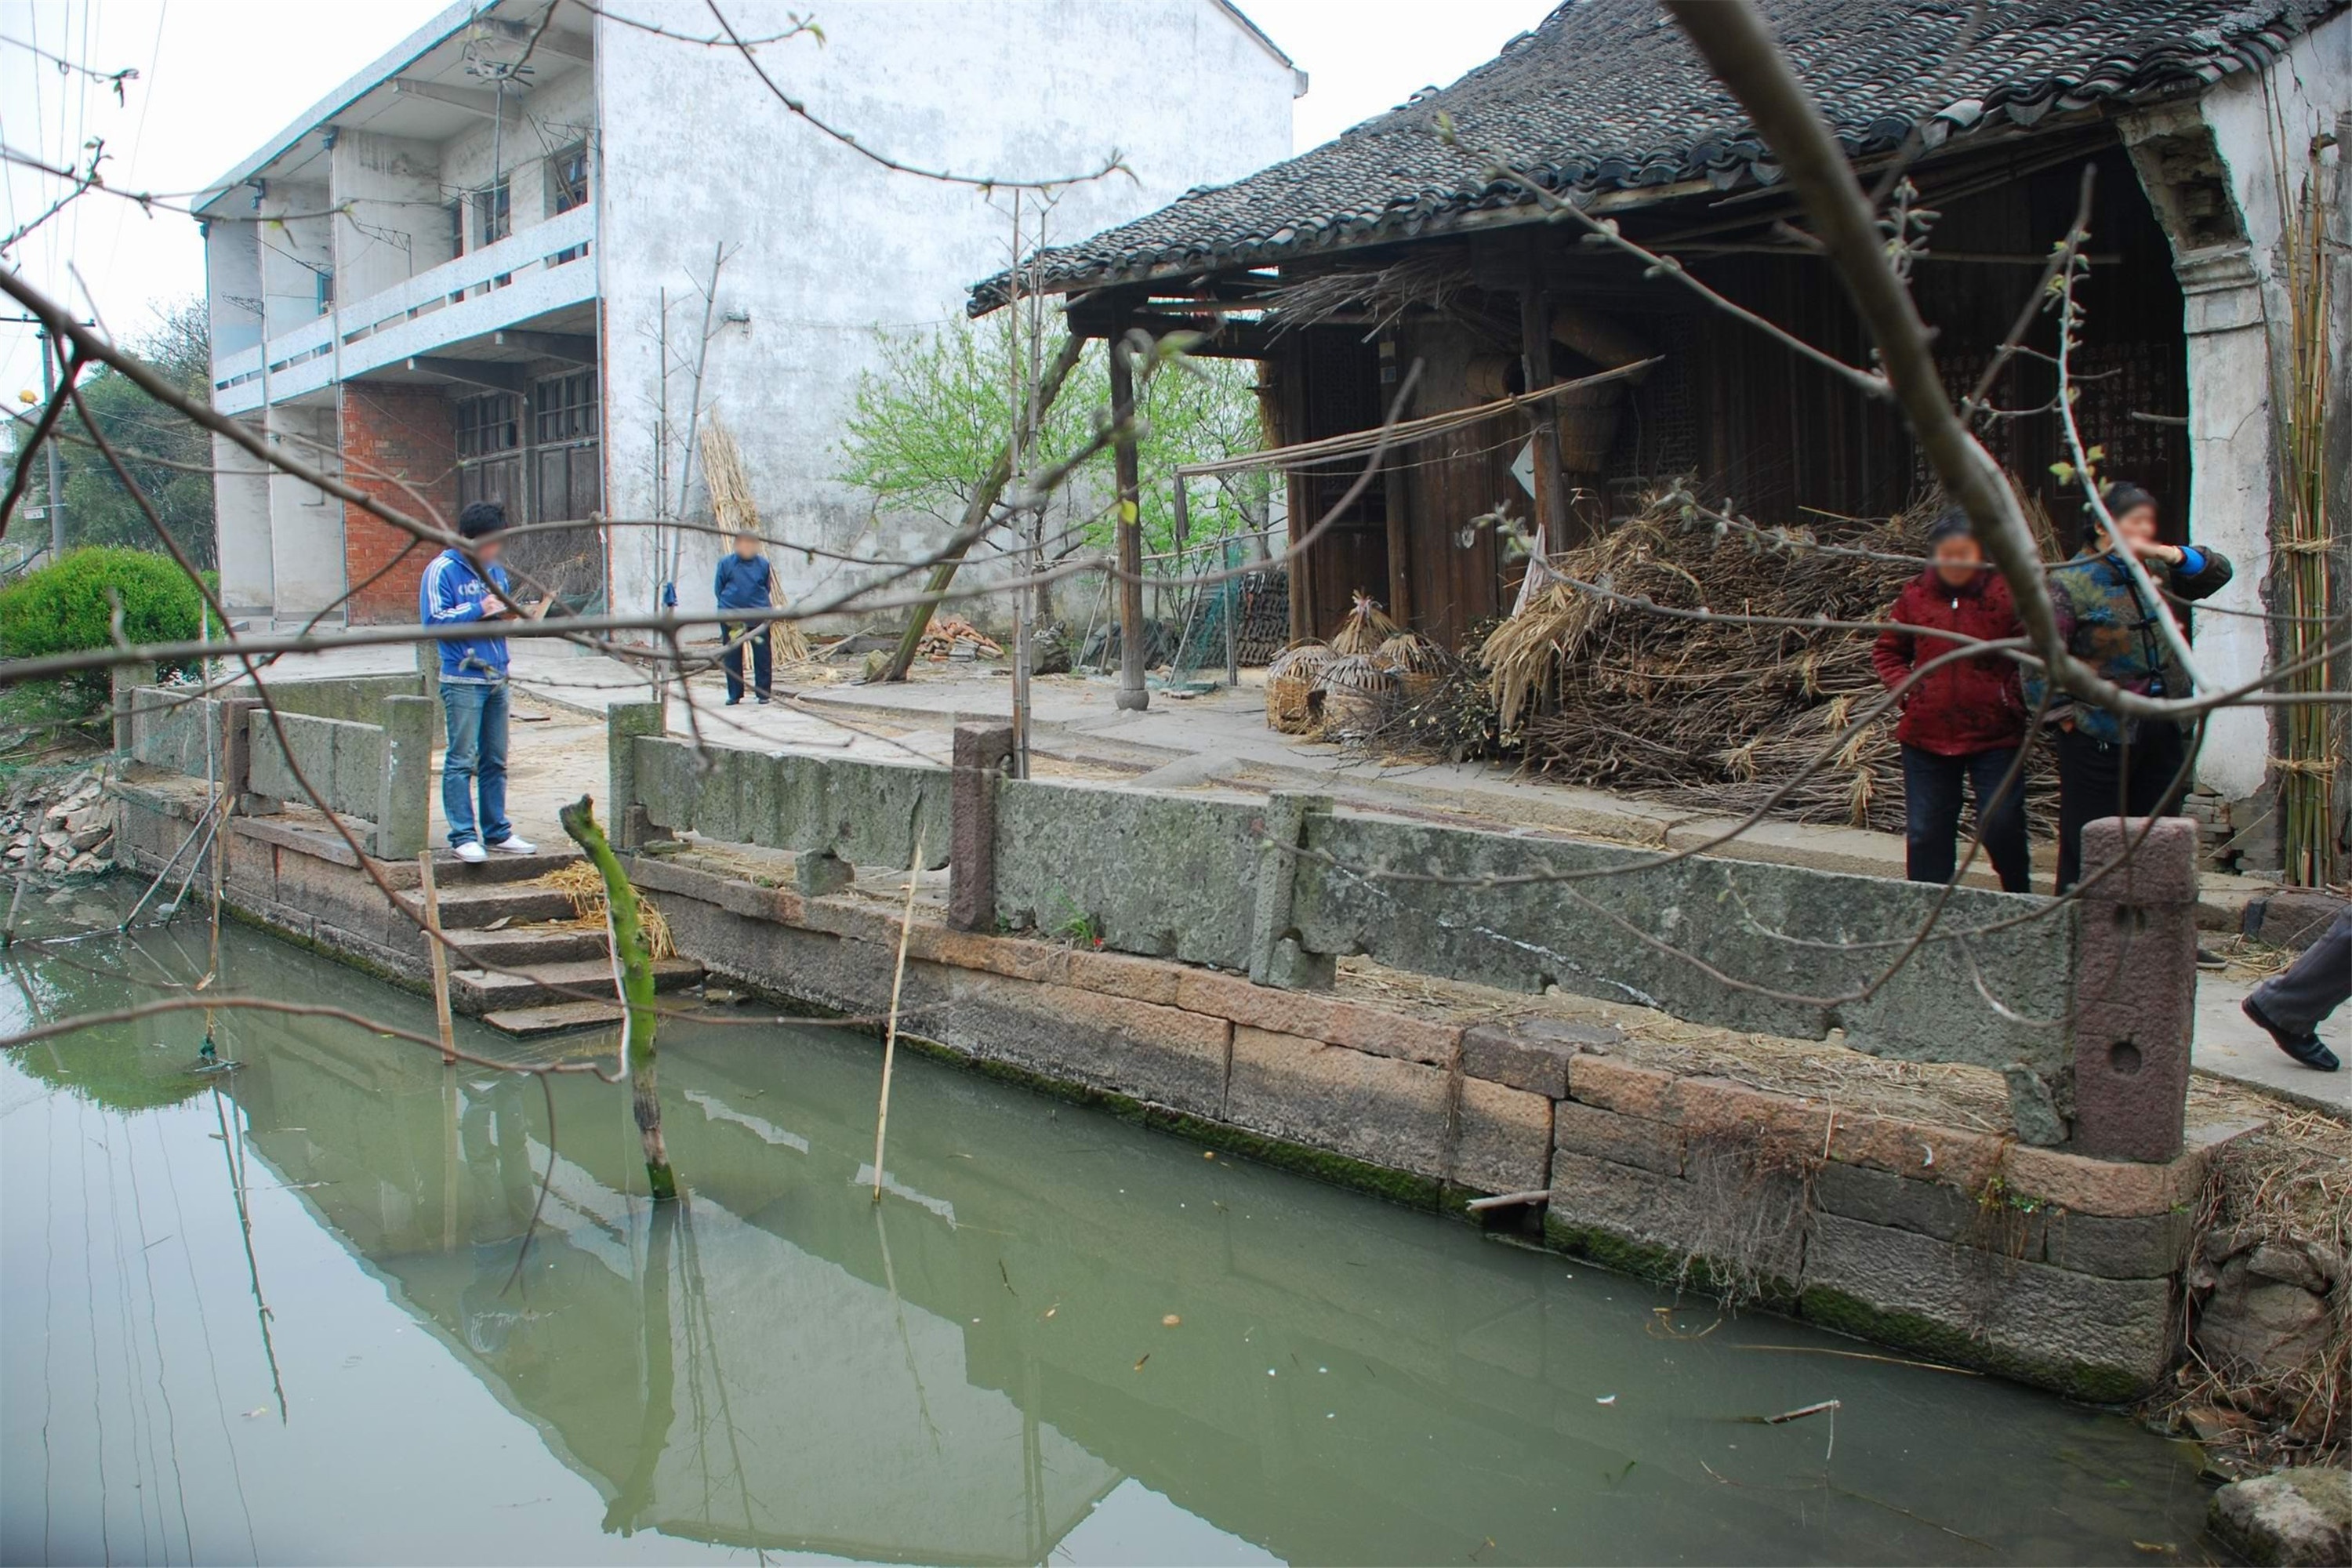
(2088, 786)
(490, 773)
(763, 661)
(2301, 996)
(2158, 777)
(461, 706)
(732, 660)
(1931, 814)
(2000, 816)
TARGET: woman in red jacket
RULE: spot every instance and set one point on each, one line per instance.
(1964, 719)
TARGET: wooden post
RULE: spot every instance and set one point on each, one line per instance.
(1132, 694)
(1393, 502)
(432, 900)
(1535, 358)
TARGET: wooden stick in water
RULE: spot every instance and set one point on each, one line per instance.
(432, 898)
(890, 1033)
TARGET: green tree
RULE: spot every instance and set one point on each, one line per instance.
(925, 425)
(168, 454)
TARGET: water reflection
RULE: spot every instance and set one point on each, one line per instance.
(976, 1370)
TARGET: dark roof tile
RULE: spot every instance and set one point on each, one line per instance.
(1608, 94)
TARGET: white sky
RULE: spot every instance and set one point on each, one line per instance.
(217, 78)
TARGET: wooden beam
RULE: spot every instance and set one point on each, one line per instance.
(1535, 360)
(495, 375)
(580, 348)
(1132, 694)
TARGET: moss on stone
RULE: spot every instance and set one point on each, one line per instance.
(1339, 1170)
(2090, 1381)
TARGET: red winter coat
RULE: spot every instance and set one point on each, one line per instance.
(1970, 704)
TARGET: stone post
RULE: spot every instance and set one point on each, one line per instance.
(980, 753)
(1275, 957)
(623, 722)
(2134, 986)
(428, 669)
(403, 817)
(124, 680)
(234, 717)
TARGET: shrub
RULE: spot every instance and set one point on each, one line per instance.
(64, 607)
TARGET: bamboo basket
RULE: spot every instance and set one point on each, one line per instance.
(1365, 628)
(1416, 662)
(1290, 686)
(1353, 695)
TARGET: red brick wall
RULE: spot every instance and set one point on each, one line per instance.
(396, 440)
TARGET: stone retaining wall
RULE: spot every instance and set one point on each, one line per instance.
(2046, 1265)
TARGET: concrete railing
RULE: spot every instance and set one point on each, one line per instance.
(2090, 1031)
(380, 770)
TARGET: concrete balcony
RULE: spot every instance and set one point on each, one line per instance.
(521, 278)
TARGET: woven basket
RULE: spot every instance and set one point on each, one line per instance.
(1353, 695)
(1290, 687)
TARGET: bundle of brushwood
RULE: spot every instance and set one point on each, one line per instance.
(1600, 690)
(734, 511)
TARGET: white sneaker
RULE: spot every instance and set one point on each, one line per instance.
(471, 852)
(515, 847)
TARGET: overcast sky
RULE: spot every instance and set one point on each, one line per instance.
(217, 78)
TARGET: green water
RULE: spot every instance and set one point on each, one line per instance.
(268, 1315)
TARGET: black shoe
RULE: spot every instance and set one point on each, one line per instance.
(2308, 1049)
(763, 700)
(732, 701)
(2208, 959)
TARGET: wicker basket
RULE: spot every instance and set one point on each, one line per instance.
(1290, 687)
(1353, 695)
(1418, 665)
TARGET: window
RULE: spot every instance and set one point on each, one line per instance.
(567, 177)
(326, 291)
(493, 214)
(565, 408)
(488, 425)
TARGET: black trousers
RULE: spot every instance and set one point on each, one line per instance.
(1932, 787)
(764, 660)
(2146, 777)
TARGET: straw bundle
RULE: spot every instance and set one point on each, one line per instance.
(1605, 693)
(1290, 685)
(733, 509)
(584, 885)
(1365, 628)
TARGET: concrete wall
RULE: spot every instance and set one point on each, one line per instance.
(696, 152)
(2261, 125)
(241, 524)
(391, 222)
(869, 814)
(306, 525)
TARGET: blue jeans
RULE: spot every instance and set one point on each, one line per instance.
(476, 761)
(1931, 810)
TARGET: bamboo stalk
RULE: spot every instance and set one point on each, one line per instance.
(890, 1032)
(432, 897)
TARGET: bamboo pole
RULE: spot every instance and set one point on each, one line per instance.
(432, 898)
(890, 1031)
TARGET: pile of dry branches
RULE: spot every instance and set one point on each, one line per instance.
(1601, 690)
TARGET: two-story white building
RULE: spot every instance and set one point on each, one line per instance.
(480, 267)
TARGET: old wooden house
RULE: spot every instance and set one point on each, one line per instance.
(1415, 238)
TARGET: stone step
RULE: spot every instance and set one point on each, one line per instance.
(449, 871)
(530, 1022)
(471, 907)
(524, 946)
(478, 991)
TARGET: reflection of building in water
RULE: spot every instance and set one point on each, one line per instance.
(713, 1379)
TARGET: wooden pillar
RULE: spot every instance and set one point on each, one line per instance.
(1535, 358)
(1132, 694)
(1395, 488)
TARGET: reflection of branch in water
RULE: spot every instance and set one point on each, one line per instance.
(699, 1298)
(636, 1489)
(252, 1267)
(898, 1311)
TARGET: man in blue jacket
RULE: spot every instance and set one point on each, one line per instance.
(745, 582)
(462, 586)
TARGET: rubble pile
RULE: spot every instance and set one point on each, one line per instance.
(54, 826)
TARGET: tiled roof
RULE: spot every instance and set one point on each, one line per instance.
(1609, 94)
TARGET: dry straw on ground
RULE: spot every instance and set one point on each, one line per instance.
(584, 885)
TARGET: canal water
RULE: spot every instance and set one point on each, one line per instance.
(274, 1314)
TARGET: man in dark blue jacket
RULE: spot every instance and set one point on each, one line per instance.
(460, 587)
(745, 582)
